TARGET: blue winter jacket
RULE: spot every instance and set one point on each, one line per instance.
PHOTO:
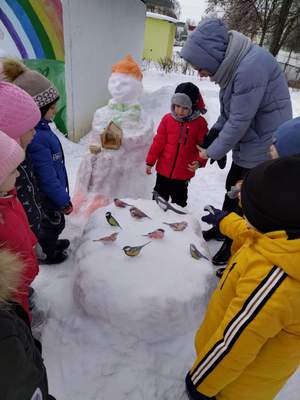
(46, 154)
(254, 103)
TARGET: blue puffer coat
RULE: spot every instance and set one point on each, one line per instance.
(46, 154)
(253, 104)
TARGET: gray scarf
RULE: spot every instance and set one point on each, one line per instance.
(196, 114)
(238, 47)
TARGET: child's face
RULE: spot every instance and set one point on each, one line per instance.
(9, 182)
(273, 152)
(26, 138)
(50, 114)
(182, 112)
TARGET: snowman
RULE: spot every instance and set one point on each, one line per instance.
(105, 173)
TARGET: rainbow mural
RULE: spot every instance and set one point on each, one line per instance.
(32, 29)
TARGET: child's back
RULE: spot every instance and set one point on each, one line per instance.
(15, 233)
(249, 342)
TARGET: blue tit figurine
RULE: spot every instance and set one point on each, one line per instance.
(195, 253)
(135, 250)
(111, 220)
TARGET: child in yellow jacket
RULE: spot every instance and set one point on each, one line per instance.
(249, 342)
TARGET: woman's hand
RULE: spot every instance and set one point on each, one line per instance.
(202, 153)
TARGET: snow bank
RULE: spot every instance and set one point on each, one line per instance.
(154, 296)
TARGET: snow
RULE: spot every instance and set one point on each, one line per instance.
(123, 328)
(163, 17)
(157, 291)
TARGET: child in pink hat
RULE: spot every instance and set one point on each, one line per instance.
(47, 157)
(15, 233)
(19, 114)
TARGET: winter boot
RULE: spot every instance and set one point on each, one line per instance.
(224, 253)
(213, 233)
(62, 244)
(57, 258)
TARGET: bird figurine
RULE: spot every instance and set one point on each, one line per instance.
(120, 203)
(108, 239)
(137, 213)
(195, 253)
(157, 234)
(177, 226)
(112, 220)
(164, 204)
(135, 250)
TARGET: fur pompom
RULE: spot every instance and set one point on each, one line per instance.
(12, 68)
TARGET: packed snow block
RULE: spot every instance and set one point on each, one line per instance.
(119, 172)
(154, 296)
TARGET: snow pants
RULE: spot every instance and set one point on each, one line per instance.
(177, 189)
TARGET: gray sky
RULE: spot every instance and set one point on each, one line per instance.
(193, 9)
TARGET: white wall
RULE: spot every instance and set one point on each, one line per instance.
(97, 34)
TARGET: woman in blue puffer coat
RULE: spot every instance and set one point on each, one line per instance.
(254, 102)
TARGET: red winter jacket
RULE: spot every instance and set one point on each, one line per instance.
(174, 146)
(16, 236)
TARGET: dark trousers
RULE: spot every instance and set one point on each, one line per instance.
(177, 189)
(53, 223)
(235, 174)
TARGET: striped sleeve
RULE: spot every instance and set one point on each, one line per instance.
(254, 315)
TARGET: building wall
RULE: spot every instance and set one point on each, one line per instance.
(171, 39)
(97, 34)
(159, 39)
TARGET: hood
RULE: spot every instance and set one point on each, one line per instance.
(10, 275)
(279, 250)
(287, 138)
(206, 46)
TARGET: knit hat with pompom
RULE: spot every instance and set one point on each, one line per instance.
(11, 155)
(38, 86)
(18, 111)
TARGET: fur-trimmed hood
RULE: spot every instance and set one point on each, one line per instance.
(10, 275)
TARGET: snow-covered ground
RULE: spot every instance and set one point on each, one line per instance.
(119, 327)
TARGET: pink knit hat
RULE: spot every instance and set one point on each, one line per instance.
(18, 111)
(11, 155)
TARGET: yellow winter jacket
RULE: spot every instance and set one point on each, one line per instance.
(249, 342)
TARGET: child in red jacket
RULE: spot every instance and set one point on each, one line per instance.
(15, 233)
(174, 148)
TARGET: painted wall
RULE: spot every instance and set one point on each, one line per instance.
(98, 34)
(33, 31)
(159, 39)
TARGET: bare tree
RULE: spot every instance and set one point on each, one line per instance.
(285, 21)
(171, 8)
(269, 20)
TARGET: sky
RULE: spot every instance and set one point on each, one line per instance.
(193, 9)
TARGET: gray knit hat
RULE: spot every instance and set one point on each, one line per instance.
(181, 99)
(38, 86)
